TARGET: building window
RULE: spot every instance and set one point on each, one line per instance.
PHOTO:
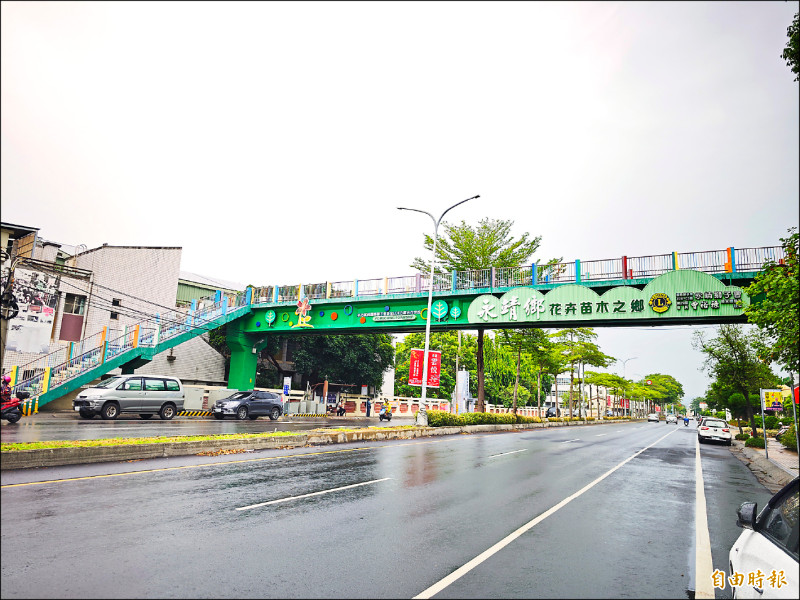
(75, 305)
(115, 302)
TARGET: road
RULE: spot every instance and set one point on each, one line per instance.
(46, 427)
(579, 512)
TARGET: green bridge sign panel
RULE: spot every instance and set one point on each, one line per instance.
(677, 295)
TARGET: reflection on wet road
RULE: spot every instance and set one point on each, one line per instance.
(384, 519)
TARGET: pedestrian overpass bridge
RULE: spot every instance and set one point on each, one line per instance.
(669, 289)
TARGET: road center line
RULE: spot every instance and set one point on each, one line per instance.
(345, 487)
(568, 441)
(504, 453)
(486, 554)
(703, 564)
(600, 434)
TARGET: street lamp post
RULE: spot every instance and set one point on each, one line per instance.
(422, 415)
(625, 362)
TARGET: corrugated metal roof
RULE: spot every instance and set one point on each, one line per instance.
(210, 281)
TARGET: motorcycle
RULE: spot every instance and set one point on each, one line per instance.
(686, 422)
(11, 410)
(384, 413)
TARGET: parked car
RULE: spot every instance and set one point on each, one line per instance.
(146, 395)
(249, 405)
(552, 412)
(767, 545)
(672, 419)
(714, 430)
(652, 417)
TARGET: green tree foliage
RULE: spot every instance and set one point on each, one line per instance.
(527, 341)
(464, 247)
(447, 343)
(791, 54)
(664, 389)
(776, 304)
(356, 359)
(578, 349)
(732, 357)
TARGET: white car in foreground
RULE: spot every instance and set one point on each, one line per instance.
(714, 430)
(763, 560)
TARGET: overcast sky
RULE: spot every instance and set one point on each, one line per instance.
(273, 141)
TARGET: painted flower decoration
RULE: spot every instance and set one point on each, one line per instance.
(302, 307)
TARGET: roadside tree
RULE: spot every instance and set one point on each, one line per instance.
(464, 247)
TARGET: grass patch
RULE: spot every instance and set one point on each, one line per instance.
(16, 447)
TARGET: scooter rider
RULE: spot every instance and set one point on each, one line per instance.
(6, 393)
(686, 421)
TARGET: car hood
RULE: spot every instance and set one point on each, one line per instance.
(92, 392)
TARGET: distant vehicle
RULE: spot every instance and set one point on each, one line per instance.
(553, 412)
(652, 417)
(768, 544)
(249, 405)
(714, 430)
(672, 419)
(146, 395)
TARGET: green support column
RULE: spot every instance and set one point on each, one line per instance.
(242, 374)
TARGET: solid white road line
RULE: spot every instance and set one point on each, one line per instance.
(346, 487)
(703, 564)
(504, 453)
(461, 571)
(568, 441)
(600, 434)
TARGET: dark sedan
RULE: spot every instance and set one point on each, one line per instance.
(249, 405)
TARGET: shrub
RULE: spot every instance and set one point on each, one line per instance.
(437, 418)
(771, 422)
(742, 436)
(789, 439)
(754, 442)
(787, 421)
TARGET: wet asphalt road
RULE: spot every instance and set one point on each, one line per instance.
(47, 427)
(418, 511)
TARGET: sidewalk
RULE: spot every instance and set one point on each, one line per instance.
(785, 459)
(774, 473)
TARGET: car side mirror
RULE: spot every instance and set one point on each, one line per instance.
(746, 515)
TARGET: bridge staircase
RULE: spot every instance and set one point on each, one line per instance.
(73, 366)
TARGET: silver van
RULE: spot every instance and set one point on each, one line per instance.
(146, 395)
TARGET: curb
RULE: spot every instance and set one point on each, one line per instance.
(53, 457)
(772, 476)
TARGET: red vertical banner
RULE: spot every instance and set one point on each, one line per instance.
(434, 367)
(415, 367)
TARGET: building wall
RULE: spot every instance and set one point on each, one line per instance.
(146, 276)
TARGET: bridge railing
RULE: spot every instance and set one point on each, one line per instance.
(342, 289)
(649, 266)
(370, 287)
(263, 294)
(513, 276)
(753, 259)
(713, 261)
(315, 290)
(442, 282)
(475, 279)
(556, 273)
(602, 270)
(287, 293)
(401, 285)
